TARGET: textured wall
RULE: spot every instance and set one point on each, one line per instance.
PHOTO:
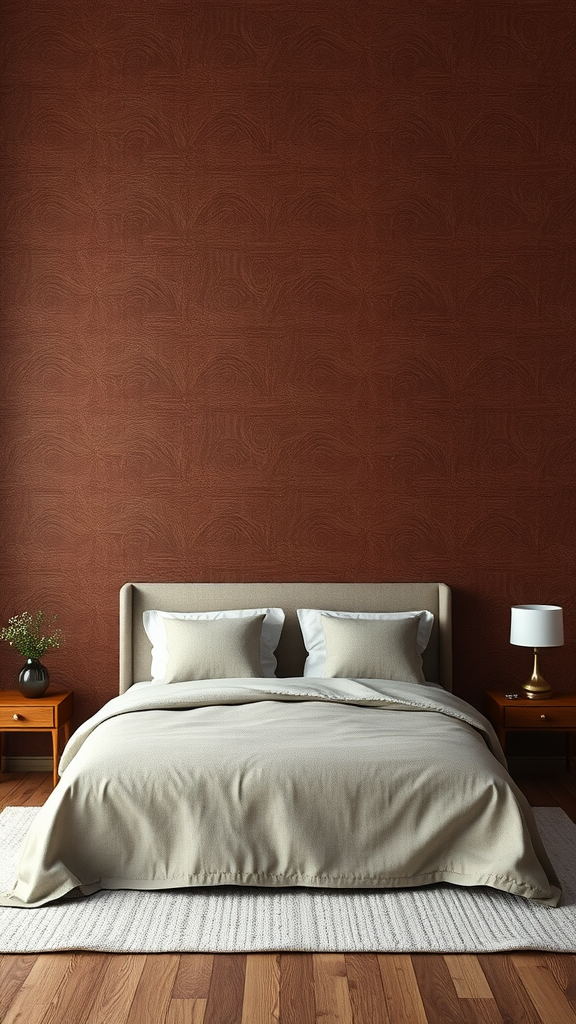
(288, 293)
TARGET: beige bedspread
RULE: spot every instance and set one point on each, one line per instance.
(287, 782)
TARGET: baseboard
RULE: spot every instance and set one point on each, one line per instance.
(27, 764)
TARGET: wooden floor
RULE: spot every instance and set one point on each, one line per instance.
(336, 988)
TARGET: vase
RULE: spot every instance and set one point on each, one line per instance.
(33, 680)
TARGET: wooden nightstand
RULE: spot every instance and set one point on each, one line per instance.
(50, 713)
(521, 714)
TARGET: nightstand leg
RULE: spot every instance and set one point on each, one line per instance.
(55, 757)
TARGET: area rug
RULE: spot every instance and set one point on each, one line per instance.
(437, 919)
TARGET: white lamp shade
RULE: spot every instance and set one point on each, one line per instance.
(537, 625)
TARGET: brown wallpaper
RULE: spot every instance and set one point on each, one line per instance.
(288, 294)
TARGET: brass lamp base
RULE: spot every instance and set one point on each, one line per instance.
(536, 687)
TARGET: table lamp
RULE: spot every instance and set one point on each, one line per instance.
(536, 625)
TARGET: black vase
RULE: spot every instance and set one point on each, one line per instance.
(33, 680)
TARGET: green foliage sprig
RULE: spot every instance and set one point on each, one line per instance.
(31, 635)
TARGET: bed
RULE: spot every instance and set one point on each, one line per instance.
(290, 734)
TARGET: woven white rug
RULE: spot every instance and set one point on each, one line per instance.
(439, 919)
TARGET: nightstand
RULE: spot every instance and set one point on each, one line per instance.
(50, 713)
(521, 714)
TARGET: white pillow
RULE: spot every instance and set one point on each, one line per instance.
(154, 624)
(311, 625)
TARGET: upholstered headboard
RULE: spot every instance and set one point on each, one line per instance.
(135, 598)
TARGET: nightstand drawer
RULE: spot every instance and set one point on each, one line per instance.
(540, 718)
(26, 717)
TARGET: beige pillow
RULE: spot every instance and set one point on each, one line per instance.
(212, 648)
(372, 649)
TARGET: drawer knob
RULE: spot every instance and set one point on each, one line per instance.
(542, 716)
(16, 718)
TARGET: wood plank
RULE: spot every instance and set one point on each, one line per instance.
(468, 977)
(540, 984)
(563, 967)
(8, 784)
(77, 990)
(436, 989)
(297, 1000)
(226, 992)
(478, 1005)
(154, 990)
(261, 1003)
(29, 790)
(481, 1011)
(365, 988)
(331, 992)
(509, 993)
(537, 794)
(193, 977)
(473, 991)
(118, 989)
(39, 989)
(185, 1011)
(13, 973)
(401, 993)
(41, 792)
